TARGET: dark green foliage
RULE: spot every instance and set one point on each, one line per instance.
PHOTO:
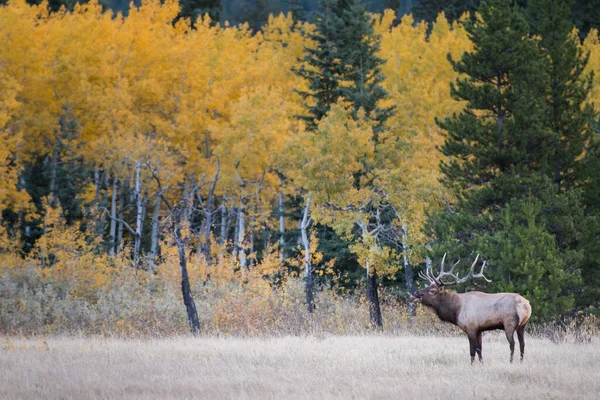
(297, 9)
(255, 13)
(525, 259)
(361, 67)
(515, 155)
(569, 119)
(70, 174)
(586, 15)
(428, 10)
(495, 146)
(568, 115)
(322, 70)
(343, 66)
(194, 9)
(590, 295)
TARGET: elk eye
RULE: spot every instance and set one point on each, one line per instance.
(432, 291)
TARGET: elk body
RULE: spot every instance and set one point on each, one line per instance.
(476, 312)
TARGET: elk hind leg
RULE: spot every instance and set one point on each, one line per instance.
(478, 347)
(521, 336)
(510, 336)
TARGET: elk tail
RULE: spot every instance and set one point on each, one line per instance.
(523, 310)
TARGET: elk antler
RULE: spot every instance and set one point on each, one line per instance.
(429, 276)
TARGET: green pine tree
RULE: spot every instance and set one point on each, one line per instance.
(194, 9)
(589, 297)
(428, 10)
(568, 114)
(322, 68)
(496, 146)
(527, 260)
(344, 67)
(520, 137)
(586, 15)
(569, 118)
(361, 67)
(344, 64)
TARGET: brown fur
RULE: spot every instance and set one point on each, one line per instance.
(476, 312)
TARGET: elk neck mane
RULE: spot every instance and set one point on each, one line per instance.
(447, 306)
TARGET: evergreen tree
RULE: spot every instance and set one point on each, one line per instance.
(568, 114)
(428, 10)
(590, 295)
(322, 68)
(297, 9)
(495, 147)
(569, 118)
(361, 67)
(344, 67)
(528, 260)
(343, 64)
(194, 9)
(586, 15)
(506, 146)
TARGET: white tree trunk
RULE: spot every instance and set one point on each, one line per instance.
(308, 277)
(240, 239)
(408, 271)
(113, 217)
(155, 233)
(281, 227)
(223, 225)
(139, 223)
(120, 224)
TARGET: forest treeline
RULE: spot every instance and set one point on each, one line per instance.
(145, 154)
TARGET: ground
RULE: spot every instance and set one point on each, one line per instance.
(360, 367)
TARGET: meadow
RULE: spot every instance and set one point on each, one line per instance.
(371, 366)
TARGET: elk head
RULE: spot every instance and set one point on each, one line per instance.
(432, 294)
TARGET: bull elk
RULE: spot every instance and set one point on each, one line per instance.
(475, 312)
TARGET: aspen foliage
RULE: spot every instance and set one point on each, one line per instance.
(417, 77)
(210, 113)
(591, 45)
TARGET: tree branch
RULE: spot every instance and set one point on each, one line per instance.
(129, 228)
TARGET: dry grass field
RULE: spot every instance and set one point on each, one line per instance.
(347, 367)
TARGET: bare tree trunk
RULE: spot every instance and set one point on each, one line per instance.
(281, 227)
(236, 233)
(188, 201)
(120, 224)
(223, 236)
(208, 211)
(251, 259)
(103, 203)
(240, 239)
(373, 298)
(408, 273)
(97, 200)
(113, 216)
(139, 224)
(188, 300)
(155, 234)
(207, 231)
(53, 172)
(177, 214)
(308, 272)
(226, 216)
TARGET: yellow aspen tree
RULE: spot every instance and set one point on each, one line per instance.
(418, 76)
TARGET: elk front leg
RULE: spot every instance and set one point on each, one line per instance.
(473, 345)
